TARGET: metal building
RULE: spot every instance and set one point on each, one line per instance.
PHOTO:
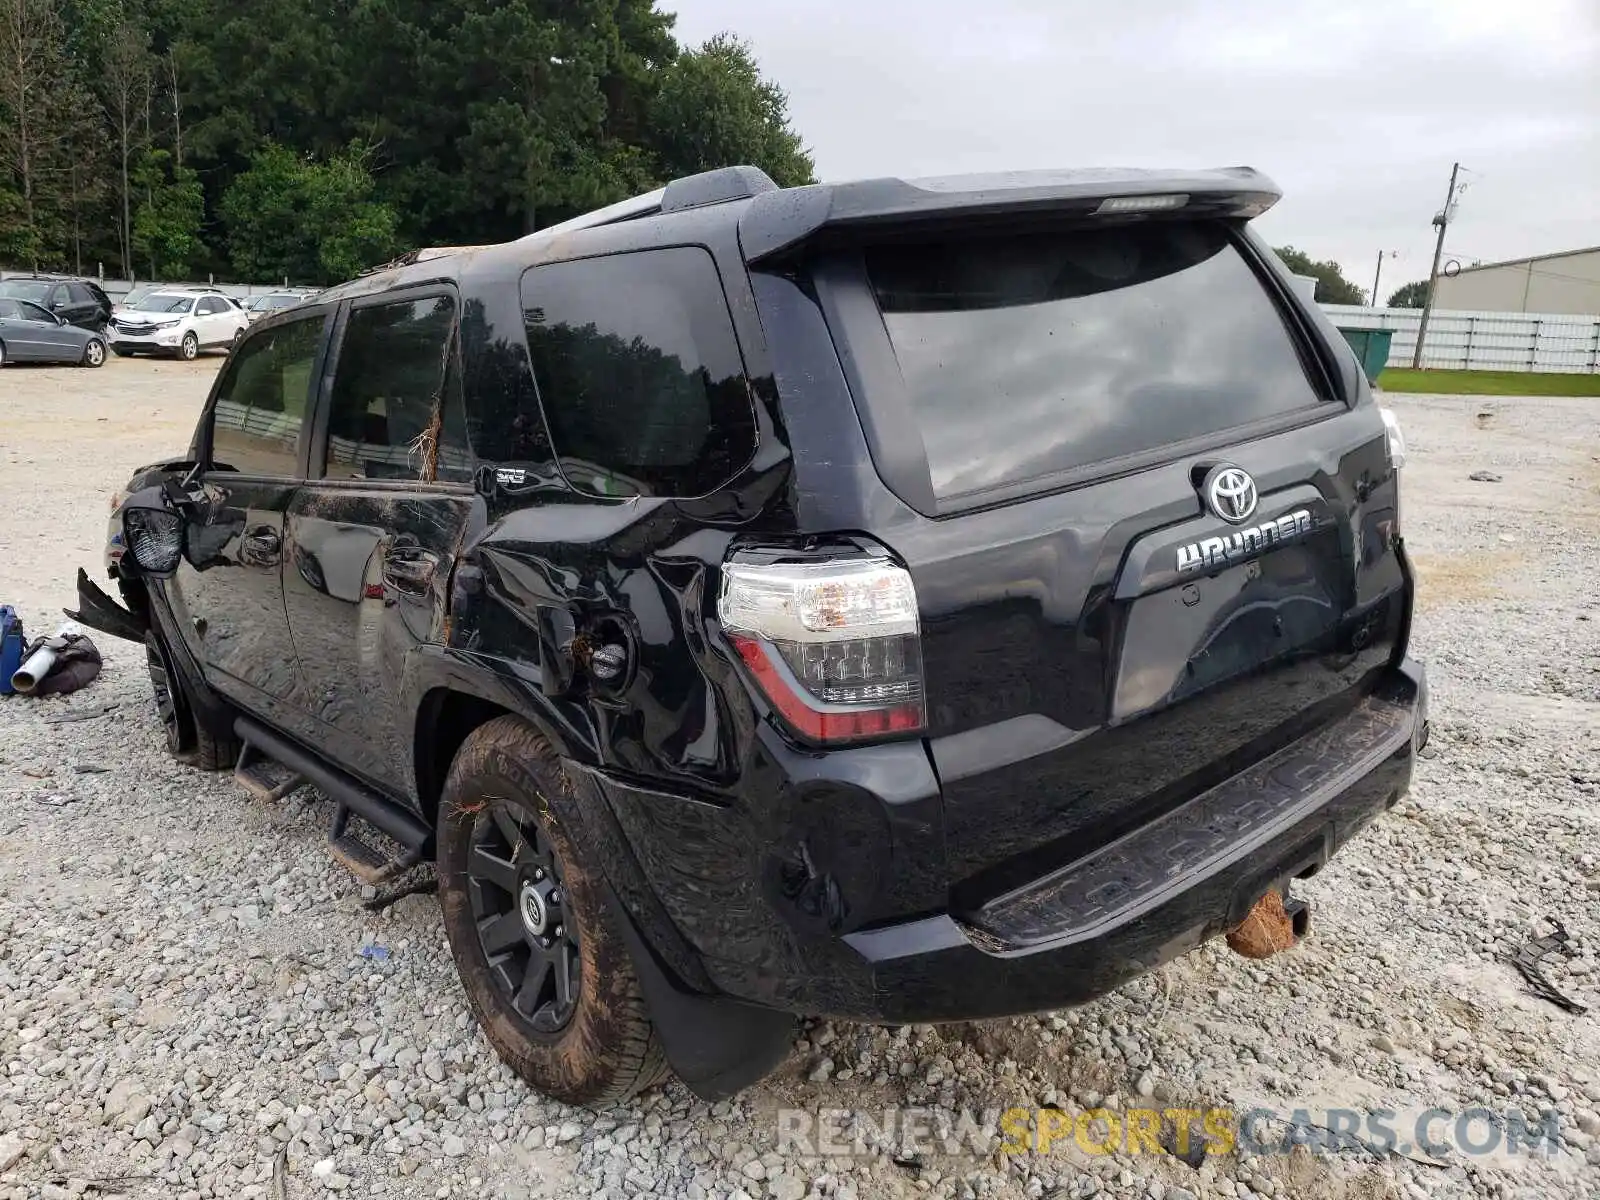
(1568, 282)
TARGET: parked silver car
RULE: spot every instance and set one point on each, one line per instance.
(32, 333)
(268, 303)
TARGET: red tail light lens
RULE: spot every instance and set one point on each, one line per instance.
(835, 647)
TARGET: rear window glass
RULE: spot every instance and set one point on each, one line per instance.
(1029, 355)
(396, 411)
(639, 373)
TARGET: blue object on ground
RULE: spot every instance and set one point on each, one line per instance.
(11, 646)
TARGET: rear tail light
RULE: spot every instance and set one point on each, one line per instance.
(835, 647)
(1394, 440)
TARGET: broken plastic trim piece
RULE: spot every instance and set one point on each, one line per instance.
(99, 611)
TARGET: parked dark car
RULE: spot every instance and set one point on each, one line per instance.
(80, 301)
(30, 334)
(886, 601)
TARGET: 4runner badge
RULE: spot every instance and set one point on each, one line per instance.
(1213, 552)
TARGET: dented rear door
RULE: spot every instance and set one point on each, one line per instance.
(371, 539)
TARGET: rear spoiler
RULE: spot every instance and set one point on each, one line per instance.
(780, 221)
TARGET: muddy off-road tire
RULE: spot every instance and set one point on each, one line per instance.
(544, 966)
(189, 739)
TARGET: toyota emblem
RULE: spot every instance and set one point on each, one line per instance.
(1230, 493)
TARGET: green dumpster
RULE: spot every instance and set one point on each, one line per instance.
(1371, 347)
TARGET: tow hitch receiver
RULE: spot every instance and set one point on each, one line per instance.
(99, 611)
(1270, 926)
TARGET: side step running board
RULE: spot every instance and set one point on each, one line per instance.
(365, 861)
(264, 778)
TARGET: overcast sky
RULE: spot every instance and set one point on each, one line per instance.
(1356, 108)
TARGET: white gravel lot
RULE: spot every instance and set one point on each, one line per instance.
(191, 992)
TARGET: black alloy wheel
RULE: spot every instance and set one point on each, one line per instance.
(515, 883)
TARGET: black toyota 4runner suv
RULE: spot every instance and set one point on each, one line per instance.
(890, 601)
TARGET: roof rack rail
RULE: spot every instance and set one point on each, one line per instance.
(420, 254)
(692, 191)
(623, 210)
(715, 187)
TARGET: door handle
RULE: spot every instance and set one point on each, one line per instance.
(260, 547)
(408, 569)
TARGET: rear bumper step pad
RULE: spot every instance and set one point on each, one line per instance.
(1149, 866)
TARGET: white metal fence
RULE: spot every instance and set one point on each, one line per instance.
(1482, 341)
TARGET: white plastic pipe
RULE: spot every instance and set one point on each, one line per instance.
(40, 663)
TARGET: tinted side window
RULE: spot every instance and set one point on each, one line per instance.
(80, 294)
(639, 373)
(58, 295)
(261, 402)
(210, 305)
(396, 411)
(33, 312)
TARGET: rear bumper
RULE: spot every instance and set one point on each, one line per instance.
(1083, 930)
(1161, 892)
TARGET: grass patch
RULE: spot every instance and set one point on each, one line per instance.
(1489, 383)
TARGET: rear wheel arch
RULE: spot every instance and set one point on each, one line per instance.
(449, 697)
(445, 719)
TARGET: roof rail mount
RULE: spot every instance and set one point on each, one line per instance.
(715, 187)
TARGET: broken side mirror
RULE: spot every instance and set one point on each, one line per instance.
(153, 522)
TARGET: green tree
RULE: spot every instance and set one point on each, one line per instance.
(495, 120)
(353, 230)
(166, 225)
(292, 216)
(1412, 295)
(1332, 286)
(714, 110)
(45, 139)
(479, 121)
(125, 74)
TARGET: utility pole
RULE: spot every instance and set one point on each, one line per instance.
(1378, 274)
(1442, 220)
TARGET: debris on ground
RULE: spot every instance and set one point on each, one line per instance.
(1528, 961)
(379, 901)
(1485, 477)
(88, 714)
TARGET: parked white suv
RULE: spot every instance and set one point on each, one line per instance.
(178, 322)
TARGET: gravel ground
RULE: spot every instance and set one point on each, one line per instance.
(194, 1003)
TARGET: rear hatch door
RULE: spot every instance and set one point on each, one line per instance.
(1153, 535)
